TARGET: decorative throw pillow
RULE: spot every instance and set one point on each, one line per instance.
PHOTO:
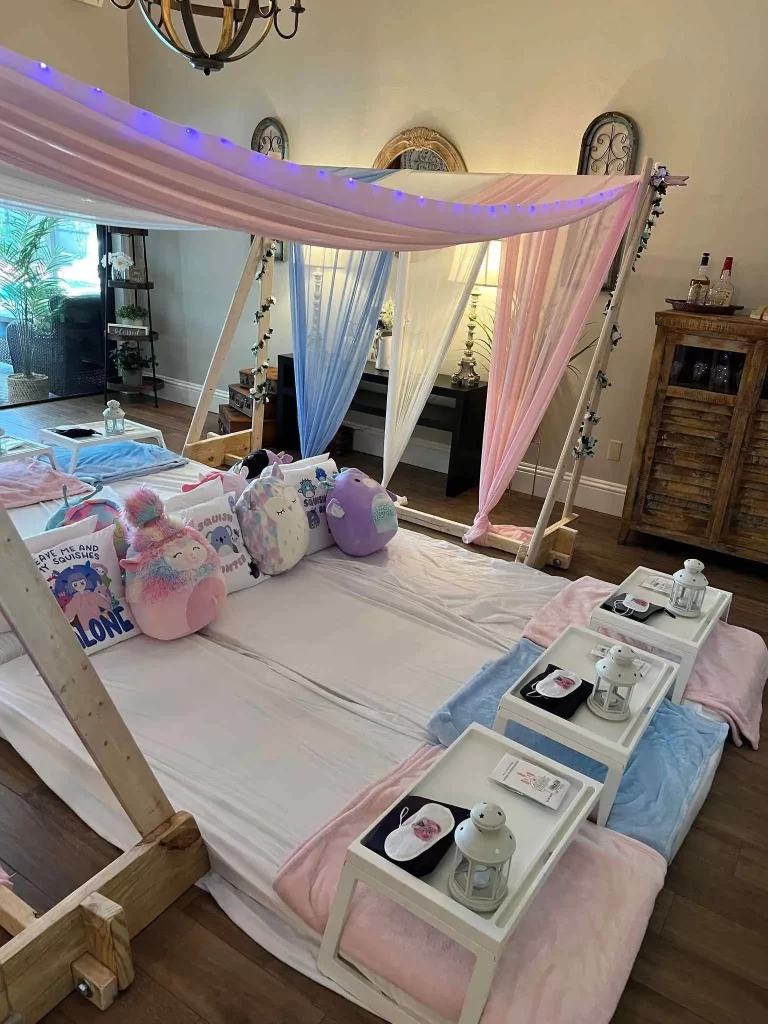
(50, 539)
(361, 513)
(217, 521)
(84, 575)
(313, 479)
(204, 491)
(273, 523)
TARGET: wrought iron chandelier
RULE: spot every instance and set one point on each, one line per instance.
(237, 19)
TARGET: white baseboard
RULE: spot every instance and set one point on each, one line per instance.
(186, 393)
(593, 493)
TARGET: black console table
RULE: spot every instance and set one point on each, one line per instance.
(463, 419)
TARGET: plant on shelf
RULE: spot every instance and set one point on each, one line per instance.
(133, 316)
(29, 285)
(132, 362)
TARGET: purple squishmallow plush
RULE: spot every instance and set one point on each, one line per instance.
(172, 573)
(361, 513)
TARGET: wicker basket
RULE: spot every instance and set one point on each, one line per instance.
(23, 388)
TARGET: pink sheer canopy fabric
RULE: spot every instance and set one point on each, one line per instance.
(100, 150)
(547, 284)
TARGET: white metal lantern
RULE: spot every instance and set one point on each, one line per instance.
(616, 676)
(2, 441)
(484, 848)
(114, 418)
(688, 589)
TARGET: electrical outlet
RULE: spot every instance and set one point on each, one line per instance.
(614, 451)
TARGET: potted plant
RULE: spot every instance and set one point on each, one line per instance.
(29, 263)
(133, 316)
(132, 362)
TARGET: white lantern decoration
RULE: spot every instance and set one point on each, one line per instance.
(484, 848)
(616, 676)
(688, 589)
(2, 441)
(114, 418)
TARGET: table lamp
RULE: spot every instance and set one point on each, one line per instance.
(467, 376)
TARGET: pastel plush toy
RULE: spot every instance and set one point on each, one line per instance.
(273, 523)
(105, 509)
(233, 482)
(361, 513)
(173, 577)
(254, 464)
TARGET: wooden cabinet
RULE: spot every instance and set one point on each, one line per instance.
(700, 468)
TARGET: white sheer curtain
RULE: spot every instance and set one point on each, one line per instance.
(433, 290)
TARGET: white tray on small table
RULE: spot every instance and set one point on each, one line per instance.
(21, 448)
(133, 432)
(460, 777)
(610, 743)
(679, 639)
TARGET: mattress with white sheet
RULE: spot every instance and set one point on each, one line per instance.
(302, 692)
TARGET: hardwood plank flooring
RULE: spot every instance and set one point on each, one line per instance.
(705, 955)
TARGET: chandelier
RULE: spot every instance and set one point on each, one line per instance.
(175, 22)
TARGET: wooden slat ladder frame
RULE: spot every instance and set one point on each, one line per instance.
(85, 938)
(214, 449)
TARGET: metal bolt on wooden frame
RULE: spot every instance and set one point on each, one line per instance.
(83, 942)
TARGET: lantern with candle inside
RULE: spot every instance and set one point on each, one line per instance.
(484, 848)
(689, 585)
(616, 676)
(114, 418)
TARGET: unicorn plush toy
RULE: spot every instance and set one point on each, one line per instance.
(273, 522)
(173, 577)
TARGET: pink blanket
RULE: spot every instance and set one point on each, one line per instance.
(729, 674)
(27, 481)
(568, 960)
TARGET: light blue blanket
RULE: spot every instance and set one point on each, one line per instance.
(662, 775)
(119, 460)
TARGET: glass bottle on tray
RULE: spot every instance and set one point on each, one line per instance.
(721, 292)
(699, 287)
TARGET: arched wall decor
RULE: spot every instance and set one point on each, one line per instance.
(421, 149)
(270, 138)
(609, 146)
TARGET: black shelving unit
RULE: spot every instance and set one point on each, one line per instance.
(153, 384)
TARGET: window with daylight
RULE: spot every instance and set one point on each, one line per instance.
(51, 343)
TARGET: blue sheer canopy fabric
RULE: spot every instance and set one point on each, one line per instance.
(336, 296)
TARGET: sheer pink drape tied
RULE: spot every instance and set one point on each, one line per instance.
(479, 530)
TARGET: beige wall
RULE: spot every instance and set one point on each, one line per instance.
(514, 85)
(86, 42)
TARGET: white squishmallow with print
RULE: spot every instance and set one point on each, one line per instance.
(273, 523)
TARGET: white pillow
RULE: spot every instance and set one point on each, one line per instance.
(311, 478)
(50, 539)
(188, 499)
(85, 578)
(217, 522)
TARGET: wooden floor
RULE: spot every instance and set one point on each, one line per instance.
(705, 957)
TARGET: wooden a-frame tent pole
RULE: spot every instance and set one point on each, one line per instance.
(84, 941)
(223, 345)
(68, 672)
(599, 359)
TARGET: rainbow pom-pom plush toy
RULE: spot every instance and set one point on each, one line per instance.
(173, 577)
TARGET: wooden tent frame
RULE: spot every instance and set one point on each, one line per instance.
(83, 942)
(550, 544)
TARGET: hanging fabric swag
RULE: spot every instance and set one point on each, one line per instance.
(548, 283)
(336, 296)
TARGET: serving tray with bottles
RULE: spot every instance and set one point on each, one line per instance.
(683, 306)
